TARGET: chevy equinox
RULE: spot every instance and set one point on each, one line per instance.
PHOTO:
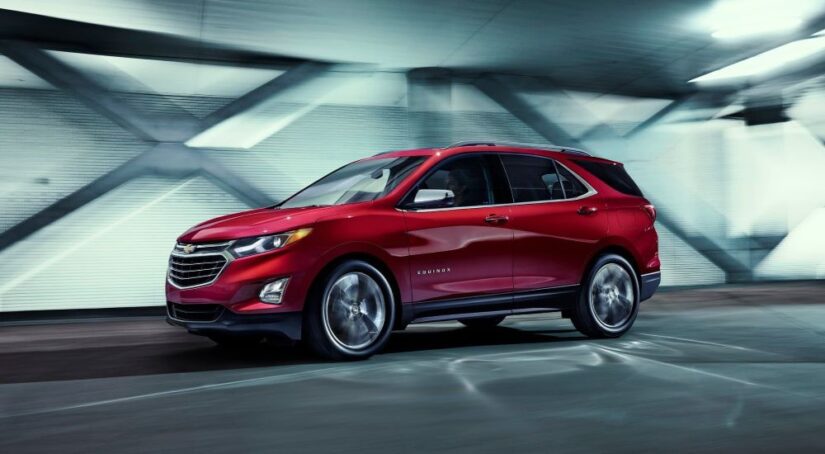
(472, 232)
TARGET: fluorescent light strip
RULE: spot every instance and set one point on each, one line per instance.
(748, 28)
(765, 62)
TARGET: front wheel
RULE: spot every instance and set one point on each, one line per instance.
(350, 316)
(609, 299)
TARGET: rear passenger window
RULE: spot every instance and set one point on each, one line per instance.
(532, 178)
(573, 187)
(613, 174)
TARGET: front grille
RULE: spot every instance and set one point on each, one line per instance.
(194, 312)
(194, 270)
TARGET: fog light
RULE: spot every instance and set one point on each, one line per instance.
(272, 292)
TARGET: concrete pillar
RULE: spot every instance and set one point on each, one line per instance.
(429, 107)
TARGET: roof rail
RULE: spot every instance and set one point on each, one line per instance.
(493, 143)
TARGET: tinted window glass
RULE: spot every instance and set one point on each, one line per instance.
(573, 187)
(359, 181)
(613, 174)
(470, 178)
(532, 178)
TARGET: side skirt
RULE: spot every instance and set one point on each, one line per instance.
(531, 301)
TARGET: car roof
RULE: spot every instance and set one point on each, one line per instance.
(552, 151)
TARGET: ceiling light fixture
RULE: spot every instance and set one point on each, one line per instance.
(766, 62)
(740, 19)
(765, 26)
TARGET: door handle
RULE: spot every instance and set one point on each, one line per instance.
(587, 211)
(496, 219)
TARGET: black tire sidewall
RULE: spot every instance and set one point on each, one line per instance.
(584, 318)
(317, 335)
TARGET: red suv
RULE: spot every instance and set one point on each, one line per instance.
(473, 232)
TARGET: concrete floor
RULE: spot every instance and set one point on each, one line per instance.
(736, 368)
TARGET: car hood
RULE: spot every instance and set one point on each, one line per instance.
(258, 222)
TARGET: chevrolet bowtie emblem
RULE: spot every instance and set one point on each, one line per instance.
(188, 248)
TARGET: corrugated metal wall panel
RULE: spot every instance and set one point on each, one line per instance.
(331, 136)
(50, 146)
(682, 265)
(171, 105)
(492, 126)
(111, 252)
(315, 144)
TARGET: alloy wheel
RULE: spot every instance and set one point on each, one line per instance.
(612, 297)
(354, 311)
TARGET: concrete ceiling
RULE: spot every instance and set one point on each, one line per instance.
(636, 47)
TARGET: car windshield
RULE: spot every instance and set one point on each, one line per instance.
(359, 181)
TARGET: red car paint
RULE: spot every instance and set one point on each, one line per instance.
(433, 254)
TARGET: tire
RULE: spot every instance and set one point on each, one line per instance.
(350, 314)
(609, 299)
(481, 323)
(235, 341)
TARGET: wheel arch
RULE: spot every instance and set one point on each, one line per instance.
(619, 250)
(379, 264)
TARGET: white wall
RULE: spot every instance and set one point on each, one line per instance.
(719, 179)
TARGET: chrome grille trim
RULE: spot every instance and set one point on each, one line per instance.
(199, 268)
(204, 247)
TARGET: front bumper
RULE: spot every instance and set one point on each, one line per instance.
(649, 284)
(213, 319)
(238, 286)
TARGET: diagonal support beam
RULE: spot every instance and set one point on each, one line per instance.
(127, 171)
(75, 36)
(165, 159)
(169, 157)
(429, 107)
(66, 78)
(179, 161)
(658, 116)
(733, 269)
(289, 80)
(706, 104)
(233, 184)
(502, 92)
(249, 119)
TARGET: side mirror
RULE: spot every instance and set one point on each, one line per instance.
(432, 198)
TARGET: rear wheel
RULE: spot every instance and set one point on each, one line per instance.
(482, 322)
(609, 299)
(351, 315)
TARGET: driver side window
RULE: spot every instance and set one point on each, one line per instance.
(468, 178)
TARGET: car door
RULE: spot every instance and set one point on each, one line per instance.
(555, 220)
(462, 249)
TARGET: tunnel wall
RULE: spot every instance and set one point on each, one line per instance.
(718, 180)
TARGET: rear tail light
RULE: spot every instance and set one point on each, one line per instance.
(651, 211)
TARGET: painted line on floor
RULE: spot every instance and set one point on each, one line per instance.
(697, 341)
(627, 356)
(194, 389)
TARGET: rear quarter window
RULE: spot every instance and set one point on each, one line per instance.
(614, 175)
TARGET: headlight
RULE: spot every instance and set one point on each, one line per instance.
(251, 246)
